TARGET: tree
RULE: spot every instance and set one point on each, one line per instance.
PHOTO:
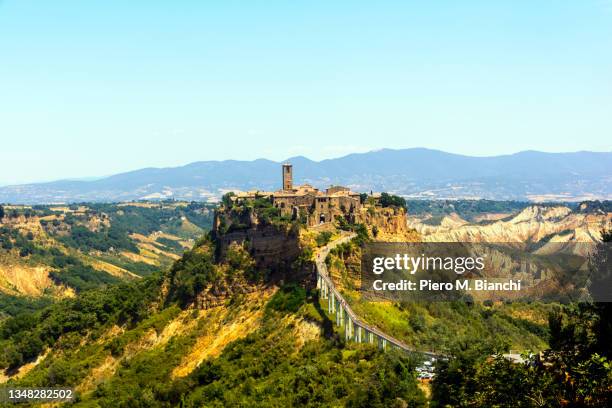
(1, 212)
(576, 370)
(600, 289)
(375, 231)
(227, 199)
(390, 200)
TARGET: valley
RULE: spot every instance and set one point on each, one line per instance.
(54, 252)
(160, 304)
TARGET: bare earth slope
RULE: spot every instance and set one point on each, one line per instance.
(533, 224)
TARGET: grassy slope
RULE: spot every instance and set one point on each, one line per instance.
(273, 350)
(441, 325)
(264, 349)
(134, 345)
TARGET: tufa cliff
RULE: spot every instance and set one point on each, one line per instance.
(272, 243)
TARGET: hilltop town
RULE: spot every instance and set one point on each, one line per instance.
(309, 203)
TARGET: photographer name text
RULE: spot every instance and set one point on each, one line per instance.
(461, 284)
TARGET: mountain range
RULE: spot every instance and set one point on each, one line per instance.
(412, 173)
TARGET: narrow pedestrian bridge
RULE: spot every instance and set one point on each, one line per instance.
(355, 329)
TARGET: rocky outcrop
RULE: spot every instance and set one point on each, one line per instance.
(272, 246)
(388, 224)
(533, 224)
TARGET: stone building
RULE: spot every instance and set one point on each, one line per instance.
(309, 203)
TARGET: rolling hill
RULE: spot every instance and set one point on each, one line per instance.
(415, 173)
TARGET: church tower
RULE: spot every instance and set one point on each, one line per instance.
(287, 176)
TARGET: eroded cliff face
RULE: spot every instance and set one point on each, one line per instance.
(389, 224)
(20, 279)
(533, 224)
(232, 278)
(273, 246)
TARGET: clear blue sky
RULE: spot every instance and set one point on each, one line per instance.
(90, 88)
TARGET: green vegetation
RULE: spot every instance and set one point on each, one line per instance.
(226, 199)
(440, 326)
(13, 305)
(467, 209)
(113, 238)
(269, 367)
(124, 340)
(24, 244)
(197, 270)
(288, 299)
(594, 206)
(127, 219)
(138, 268)
(360, 229)
(262, 206)
(146, 220)
(24, 336)
(260, 371)
(390, 200)
(77, 241)
(191, 274)
(576, 369)
(83, 277)
(170, 243)
(323, 238)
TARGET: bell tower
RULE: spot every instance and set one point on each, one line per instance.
(287, 176)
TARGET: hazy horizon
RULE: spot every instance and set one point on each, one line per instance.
(98, 177)
(98, 88)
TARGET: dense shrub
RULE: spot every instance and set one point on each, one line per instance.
(390, 200)
(288, 299)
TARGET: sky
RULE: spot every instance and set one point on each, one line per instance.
(93, 88)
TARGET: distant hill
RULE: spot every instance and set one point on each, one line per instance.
(414, 173)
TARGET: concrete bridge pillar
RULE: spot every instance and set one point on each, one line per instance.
(333, 302)
(347, 329)
(337, 316)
